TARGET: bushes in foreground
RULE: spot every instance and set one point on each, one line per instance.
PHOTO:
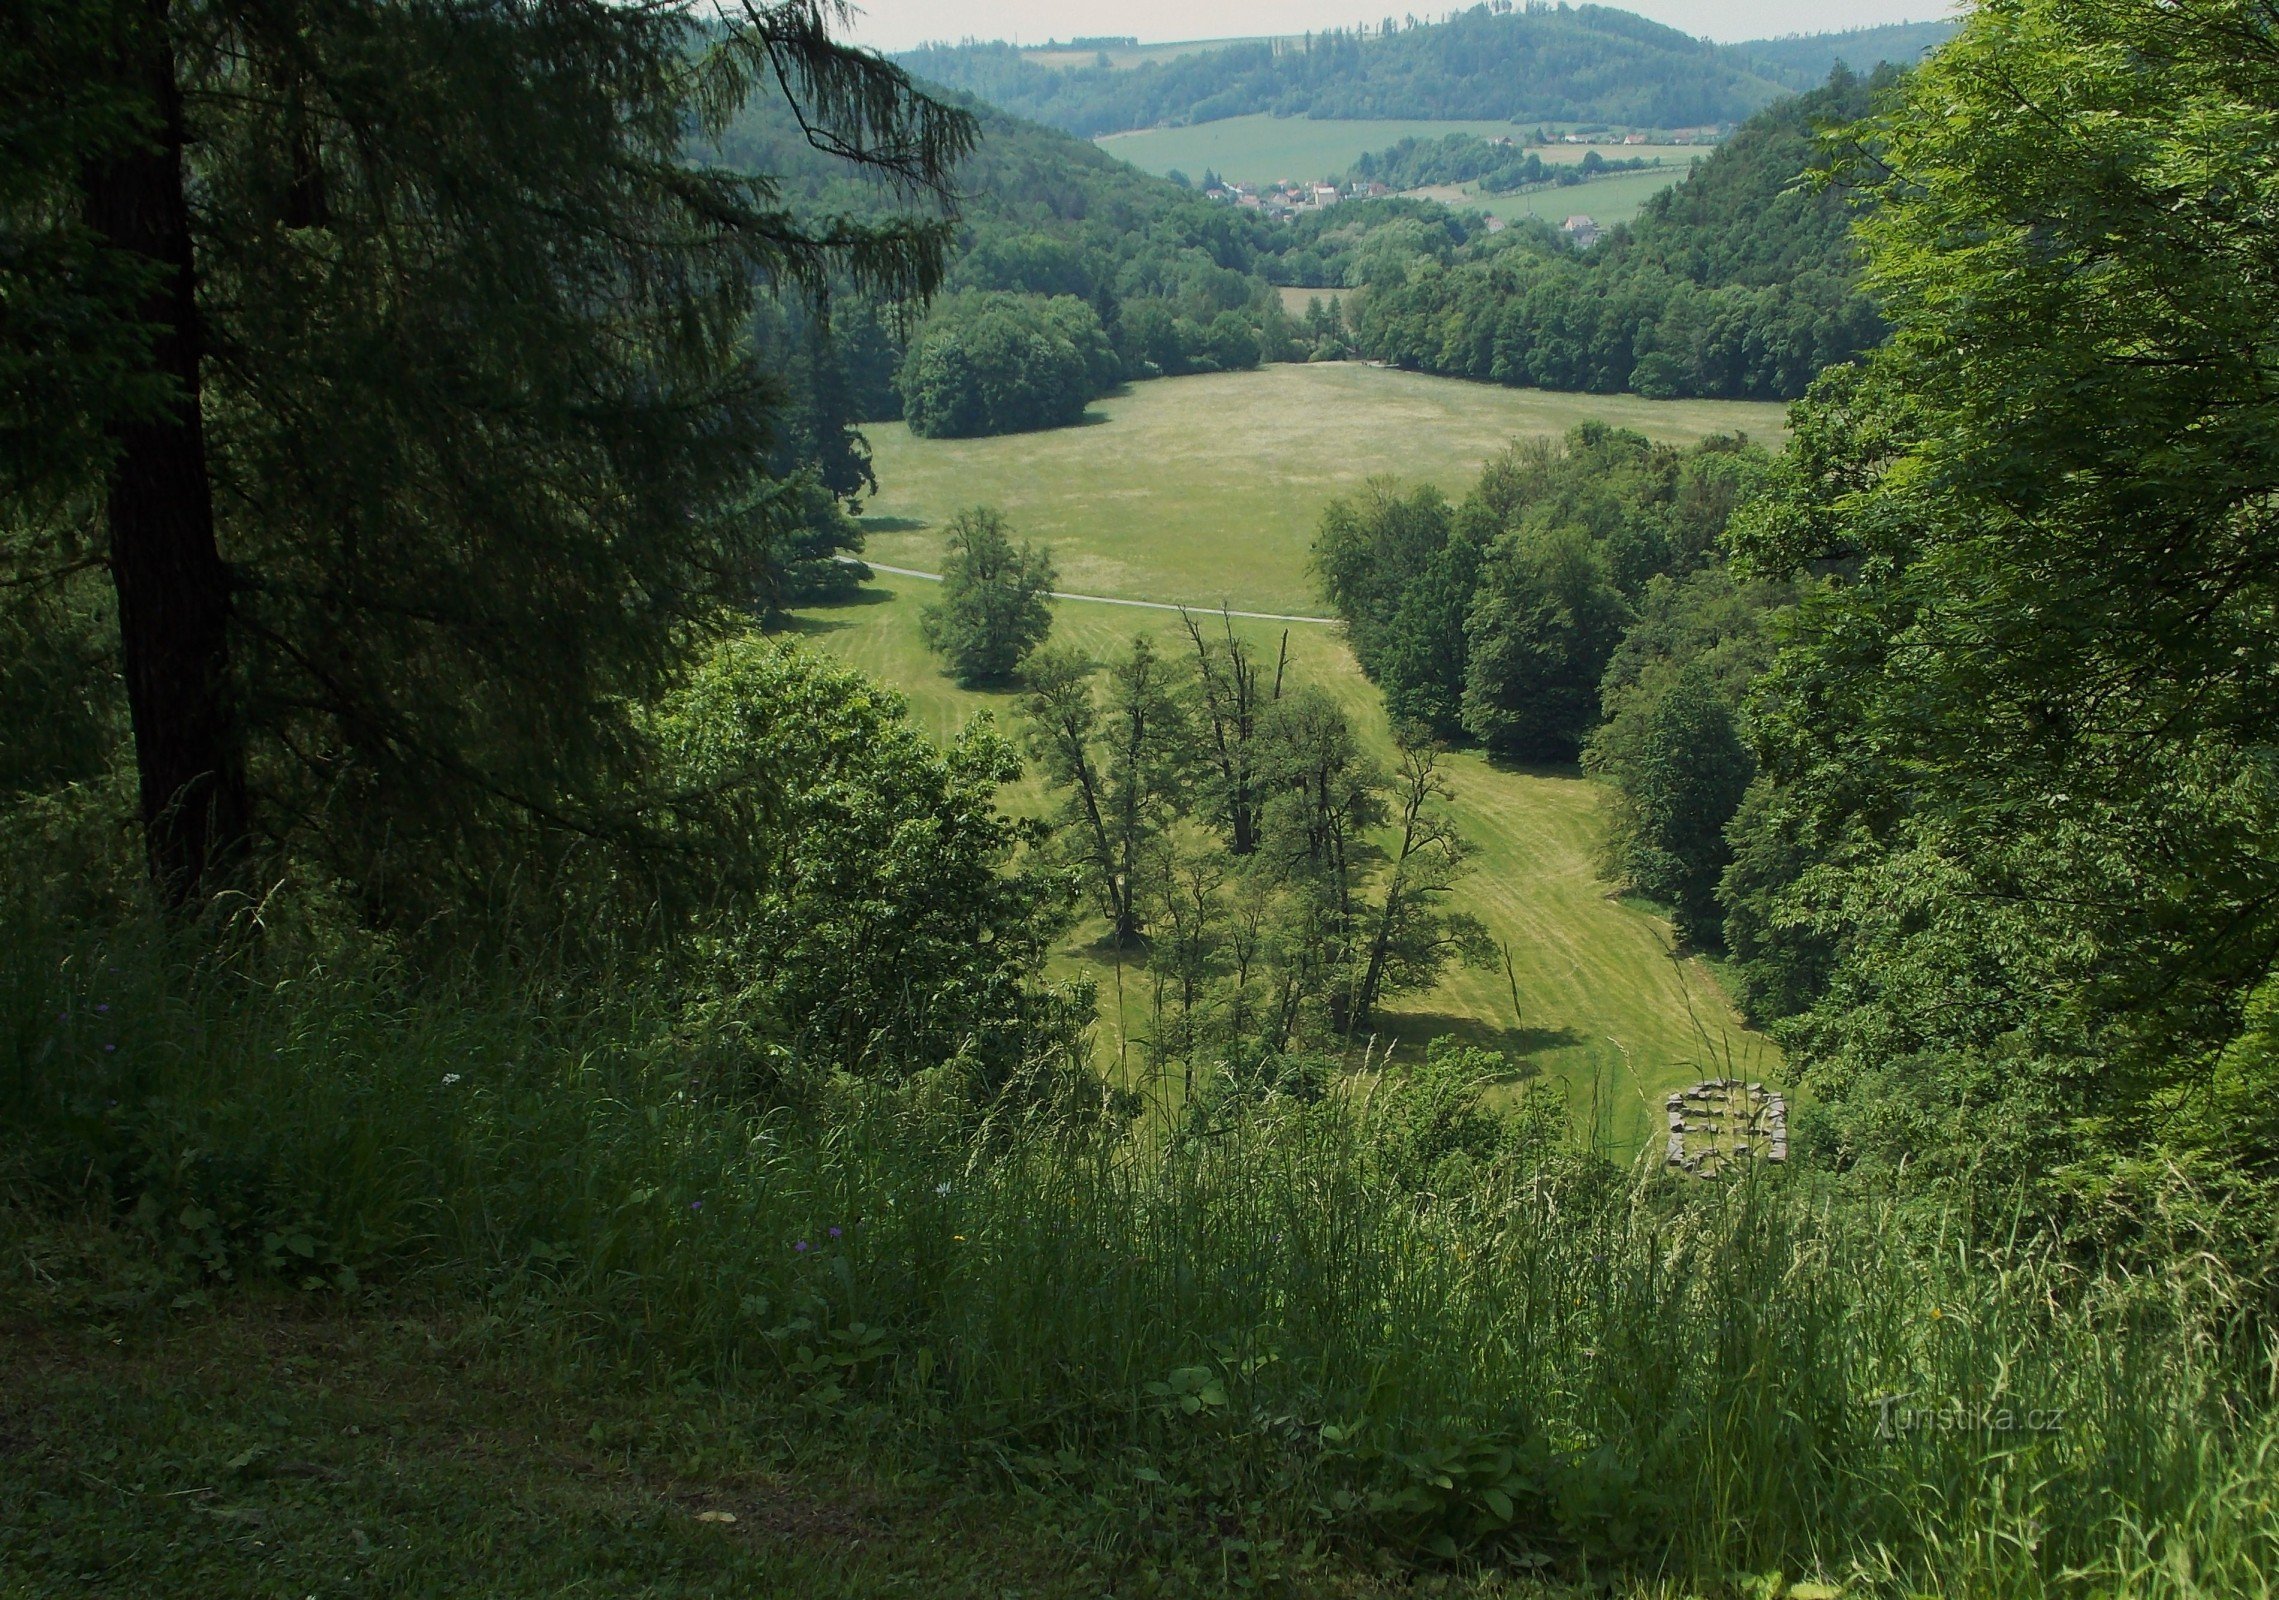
(1307, 1321)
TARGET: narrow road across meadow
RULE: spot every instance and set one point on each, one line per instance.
(1111, 600)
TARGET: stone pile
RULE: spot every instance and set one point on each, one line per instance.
(1720, 1120)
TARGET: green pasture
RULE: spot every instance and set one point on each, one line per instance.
(1207, 490)
(1294, 299)
(1617, 197)
(1263, 148)
(1063, 58)
(1602, 1005)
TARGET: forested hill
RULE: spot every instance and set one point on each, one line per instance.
(1591, 63)
(1805, 60)
(1739, 281)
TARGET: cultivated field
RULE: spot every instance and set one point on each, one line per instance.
(1160, 500)
(1263, 148)
(1207, 490)
(1618, 197)
(1124, 57)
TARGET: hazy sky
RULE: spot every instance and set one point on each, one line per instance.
(898, 24)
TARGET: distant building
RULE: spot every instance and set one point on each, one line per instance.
(1582, 230)
(1325, 194)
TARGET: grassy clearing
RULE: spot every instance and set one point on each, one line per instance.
(1125, 57)
(1294, 300)
(1161, 500)
(1208, 490)
(1617, 197)
(1603, 1007)
(1262, 148)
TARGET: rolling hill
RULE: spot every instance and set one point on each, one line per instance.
(1588, 64)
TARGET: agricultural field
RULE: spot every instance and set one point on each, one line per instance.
(1207, 490)
(1063, 58)
(1617, 197)
(1263, 148)
(1140, 506)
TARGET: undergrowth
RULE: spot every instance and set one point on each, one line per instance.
(1263, 1330)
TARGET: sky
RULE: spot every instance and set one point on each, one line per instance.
(899, 24)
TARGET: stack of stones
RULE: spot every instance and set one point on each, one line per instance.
(1725, 1119)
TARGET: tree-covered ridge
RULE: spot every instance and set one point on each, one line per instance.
(1739, 281)
(1176, 283)
(1590, 63)
(1803, 60)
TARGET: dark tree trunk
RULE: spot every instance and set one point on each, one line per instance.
(173, 589)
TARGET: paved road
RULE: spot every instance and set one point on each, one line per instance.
(1111, 600)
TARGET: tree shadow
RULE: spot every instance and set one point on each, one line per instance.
(892, 524)
(1530, 767)
(1420, 1028)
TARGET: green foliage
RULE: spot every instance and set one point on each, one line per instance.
(1126, 769)
(1002, 363)
(1671, 741)
(480, 420)
(1499, 618)
(1543, 626)
(1673, 751)
(1585, 64)
(1541, 1367)
(1737, 281)
(1496, 166)
(1045, 215)
(2015, 867)
(870, 918)
(996, 603)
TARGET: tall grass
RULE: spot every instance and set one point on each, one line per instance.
(1265, 1325)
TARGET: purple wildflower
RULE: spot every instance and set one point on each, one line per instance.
(107, 1049)
(696, 1205)
(105, 1006)
(834, 1233)
(801, 1247)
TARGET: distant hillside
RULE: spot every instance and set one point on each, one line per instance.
(1803, 61)
(1739, 282)
(1588, 64)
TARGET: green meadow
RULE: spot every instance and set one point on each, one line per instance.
(1207, 490)
(1124, 57)
(1616, 197)
(1161, 500)
(1263, 148)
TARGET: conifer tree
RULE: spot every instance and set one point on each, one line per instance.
(426, 442)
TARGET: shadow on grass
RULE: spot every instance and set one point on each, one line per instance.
(1419, 1028)
(892, 524)
(1522, 767)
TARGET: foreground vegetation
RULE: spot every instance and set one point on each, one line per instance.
(1249, 1350)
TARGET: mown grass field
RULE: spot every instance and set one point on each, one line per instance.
(1263, 148)
(1125, 57)
(1207, 490)
(1164, 500)
(1617, 197)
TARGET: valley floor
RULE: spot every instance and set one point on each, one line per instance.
(1206, 491)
